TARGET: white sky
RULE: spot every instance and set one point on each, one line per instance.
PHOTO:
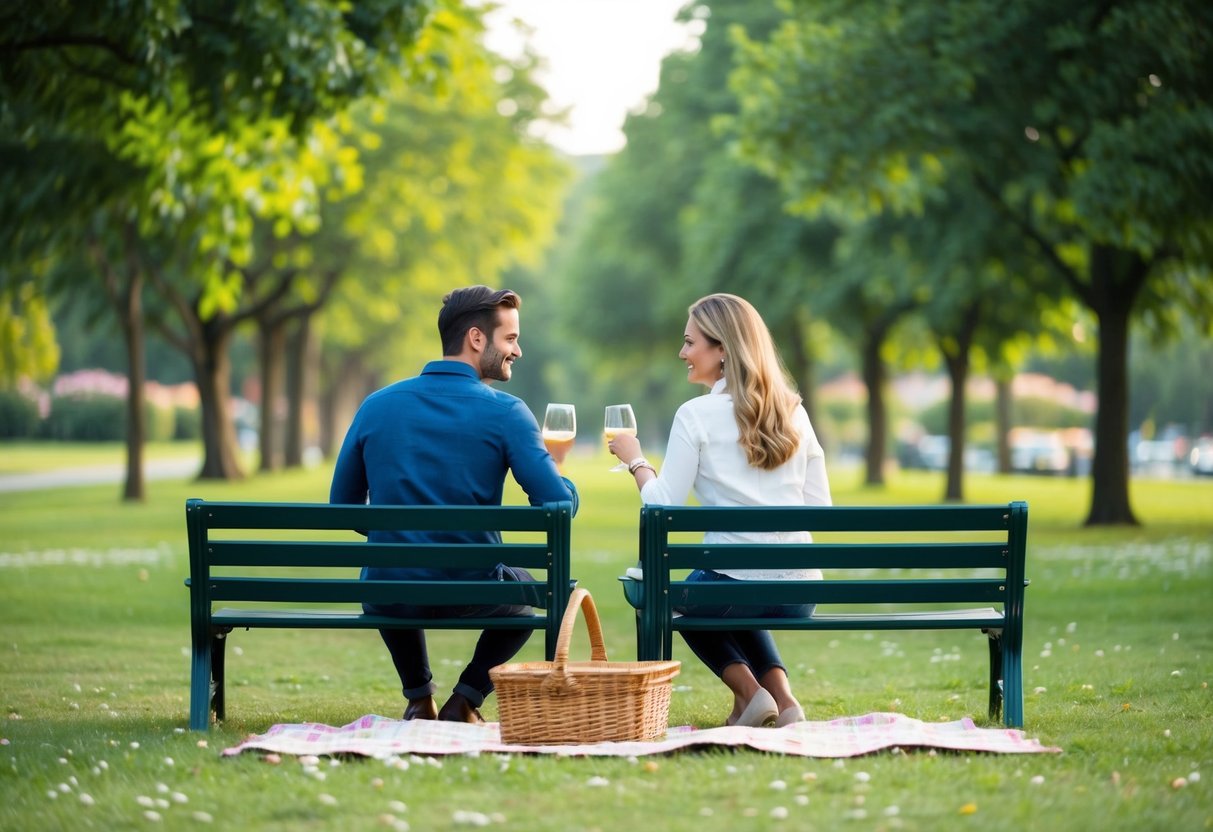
(603, 59)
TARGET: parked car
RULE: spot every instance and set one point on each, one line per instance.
(1038, 452)
(1201, 457)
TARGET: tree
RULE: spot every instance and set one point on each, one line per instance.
(1089, 145)
(457, 192)
(79, 85)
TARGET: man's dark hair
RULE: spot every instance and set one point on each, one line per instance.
(475, 306)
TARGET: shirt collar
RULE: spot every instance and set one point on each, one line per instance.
(445, 367)
(718, 387)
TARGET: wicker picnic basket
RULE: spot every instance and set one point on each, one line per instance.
(564, 703)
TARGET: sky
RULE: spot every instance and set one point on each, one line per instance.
(603, 60)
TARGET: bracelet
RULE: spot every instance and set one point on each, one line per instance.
(638, 463)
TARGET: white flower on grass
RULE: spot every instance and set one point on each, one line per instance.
(179, 797)
(1176, 672)
(162, 788)
(202, 743)
(1072, 626)
(1194, 777)
(1040, 690)
(779, 813)
(863, 776)
(202, 817)
(1167, 732)
(470, 818)
(327, 799)
(892, 811)
(778, 785)
(730, 769)
(168, 761)
(1038, 780)
(135, 745)
(706, 812)
(397, 806)
(154, 817)
(309, 760)
(597, 782)
(65, 788)
(161, 803)
(51, 794)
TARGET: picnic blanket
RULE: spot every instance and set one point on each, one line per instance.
(380, 737)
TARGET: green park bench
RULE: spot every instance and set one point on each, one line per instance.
(890, 567)
(266, 555)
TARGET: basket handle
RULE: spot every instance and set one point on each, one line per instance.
(579, 599)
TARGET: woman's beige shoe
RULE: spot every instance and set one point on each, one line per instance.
(790, 716)
(761, 710)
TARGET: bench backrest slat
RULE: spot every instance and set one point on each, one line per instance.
(226, 515)
(289, 553)
(838, 555)
(944, 518)
(841, 592)
(313, 591)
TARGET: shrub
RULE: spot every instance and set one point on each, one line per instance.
(161, 422)
(86, 418)
(18, 416)
(187, 423)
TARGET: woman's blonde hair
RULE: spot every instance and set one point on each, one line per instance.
(764, 399)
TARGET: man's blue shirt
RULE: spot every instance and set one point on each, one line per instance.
(443, 438)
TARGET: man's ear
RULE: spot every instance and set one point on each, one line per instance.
(476, 338)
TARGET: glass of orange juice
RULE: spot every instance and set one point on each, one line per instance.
(619, 419)
(559, 431)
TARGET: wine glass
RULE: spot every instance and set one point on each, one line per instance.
(619, 419)
(559, 430)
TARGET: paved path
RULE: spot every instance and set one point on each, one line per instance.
(159, 469)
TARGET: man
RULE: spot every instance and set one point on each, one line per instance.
(447, 438)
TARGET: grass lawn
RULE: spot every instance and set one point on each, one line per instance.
(94, 684)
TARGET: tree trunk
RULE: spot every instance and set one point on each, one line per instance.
(874, 378)
(1110, 465)
(213, 371)
(134, 489)
(956, 359)
(958, 375)
(271, 332)
(299, 384)
(1002, 418)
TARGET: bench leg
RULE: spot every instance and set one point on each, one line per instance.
(996, 678)
(1012, 678)
(200, 683)
(218, 654)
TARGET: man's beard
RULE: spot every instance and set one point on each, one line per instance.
(492, 365)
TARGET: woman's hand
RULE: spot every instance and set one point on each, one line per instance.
(626, 447)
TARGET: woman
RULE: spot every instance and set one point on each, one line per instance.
(748, 442)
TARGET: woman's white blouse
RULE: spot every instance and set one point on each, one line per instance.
(704, 456)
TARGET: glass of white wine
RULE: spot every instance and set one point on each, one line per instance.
(619, 419)
(559, 431)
